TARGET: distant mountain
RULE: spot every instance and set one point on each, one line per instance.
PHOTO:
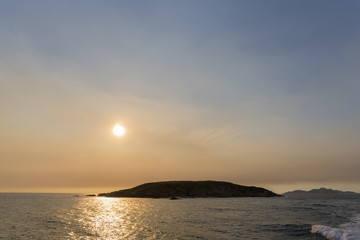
(321, 191)
(191, 189)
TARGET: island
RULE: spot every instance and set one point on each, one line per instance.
(191, 189)
(322, 192)
(91, 195)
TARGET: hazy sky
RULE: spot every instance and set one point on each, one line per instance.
(262, 93)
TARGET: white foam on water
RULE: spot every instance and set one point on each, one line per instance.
(347, 231)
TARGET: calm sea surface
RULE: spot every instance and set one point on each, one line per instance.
(62, 216)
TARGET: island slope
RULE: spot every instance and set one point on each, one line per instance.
(191, 189)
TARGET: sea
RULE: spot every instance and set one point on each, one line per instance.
(68, 216)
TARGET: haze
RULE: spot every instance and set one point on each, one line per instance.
(261, 93)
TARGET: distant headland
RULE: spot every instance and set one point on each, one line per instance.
(321, 191)
(191, 189)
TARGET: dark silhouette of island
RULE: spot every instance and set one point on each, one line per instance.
(322, 192)
(191, 189)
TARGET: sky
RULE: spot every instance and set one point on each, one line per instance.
(261, 93)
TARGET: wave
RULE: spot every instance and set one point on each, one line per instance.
(347, 231)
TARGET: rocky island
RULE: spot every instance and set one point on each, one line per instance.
(191, 189)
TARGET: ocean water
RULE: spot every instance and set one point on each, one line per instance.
(63, 216)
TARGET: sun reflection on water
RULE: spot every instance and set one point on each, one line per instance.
(103, 218)
(131, 219)
(109, 218)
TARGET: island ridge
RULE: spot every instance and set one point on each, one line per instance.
(191, 189)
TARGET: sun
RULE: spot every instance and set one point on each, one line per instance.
(118, 130)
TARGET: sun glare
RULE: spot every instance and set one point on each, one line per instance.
(118, 130)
